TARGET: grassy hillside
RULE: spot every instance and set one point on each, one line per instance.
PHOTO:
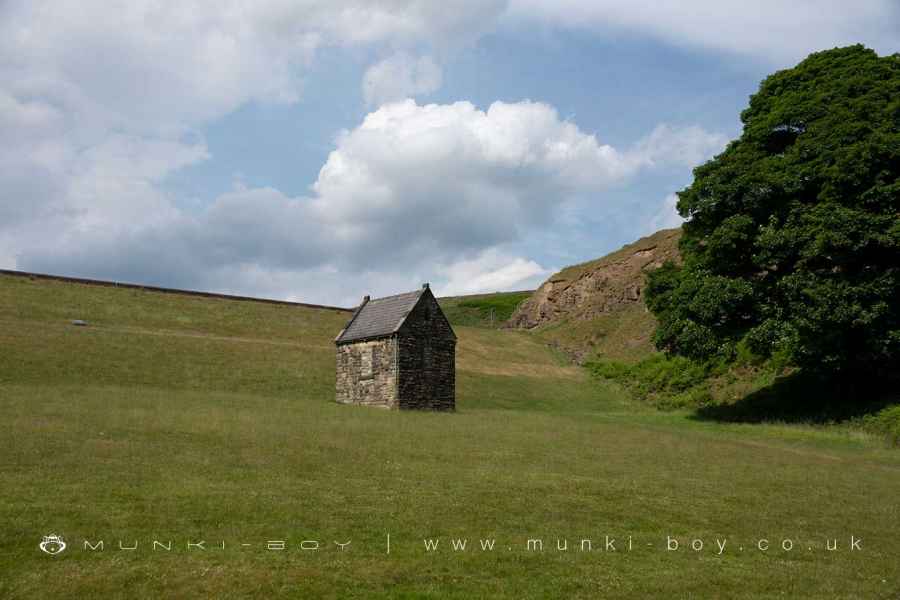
(482, 310)
(187, 419)
(595, 310)
(625, 335)
(594, 313)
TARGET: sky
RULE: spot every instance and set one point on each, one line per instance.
(320, 150)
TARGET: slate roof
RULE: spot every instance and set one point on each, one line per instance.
(379, 317)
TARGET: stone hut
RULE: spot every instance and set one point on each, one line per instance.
(398, 352)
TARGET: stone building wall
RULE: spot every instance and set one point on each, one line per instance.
(367, 373)
(427, 359)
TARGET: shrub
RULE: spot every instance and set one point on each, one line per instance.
(670, 382)
(886, 422)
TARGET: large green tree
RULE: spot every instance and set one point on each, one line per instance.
(792, 239)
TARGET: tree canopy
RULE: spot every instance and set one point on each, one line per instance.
(792, 239)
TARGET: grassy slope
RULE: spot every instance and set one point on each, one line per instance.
(187, 418)
(618, 347)
(478, 310)
(622, 335)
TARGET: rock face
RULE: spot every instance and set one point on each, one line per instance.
(598, 287)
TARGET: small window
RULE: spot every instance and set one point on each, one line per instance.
(366, 361)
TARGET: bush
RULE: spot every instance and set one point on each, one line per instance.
(886, 422)
(669, 382)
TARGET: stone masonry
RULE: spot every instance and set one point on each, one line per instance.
(398, 352)
(367, 373)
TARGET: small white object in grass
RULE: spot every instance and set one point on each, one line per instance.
(79, 323)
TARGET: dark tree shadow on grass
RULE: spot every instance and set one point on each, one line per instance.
(806, 398)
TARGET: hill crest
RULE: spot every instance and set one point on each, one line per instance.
(597, 307)
(600, 286)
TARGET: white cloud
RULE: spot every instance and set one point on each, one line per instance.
(686, 146)
(666, 216)
(100, 102)
(163, 66)
(491, 271)
(400, 76)
(521, 155)
(414, 192)
(774, 30)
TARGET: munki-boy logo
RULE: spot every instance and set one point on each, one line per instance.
(52, 544)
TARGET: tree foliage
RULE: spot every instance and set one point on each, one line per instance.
(792, 243)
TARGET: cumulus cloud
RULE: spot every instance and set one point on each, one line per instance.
(400, 77)
(666, 215)
(484, 174)
(685, 146)
(145, 64)
(88, 88)
(77, 79)
(776, 31)
(491, 271)
(100, 102)
(417, 189)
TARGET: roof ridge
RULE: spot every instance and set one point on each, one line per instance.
(396, 295)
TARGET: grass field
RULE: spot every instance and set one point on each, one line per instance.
(181, 419)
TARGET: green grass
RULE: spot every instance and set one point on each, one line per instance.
(750, 389)
(667, 382)
(181, 418)
(623, 336)
(482, 310)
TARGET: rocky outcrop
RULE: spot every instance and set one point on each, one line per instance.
(601, 286)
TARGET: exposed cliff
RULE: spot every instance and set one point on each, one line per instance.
(583, 306)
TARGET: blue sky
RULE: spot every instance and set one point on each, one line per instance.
(324, 150)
